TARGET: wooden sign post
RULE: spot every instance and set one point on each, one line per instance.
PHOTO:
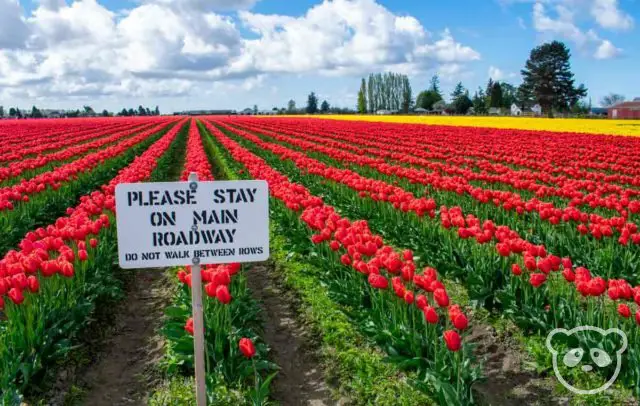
(192, 223)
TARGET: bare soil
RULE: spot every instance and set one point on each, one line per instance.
(300, 380)
(124, 374)
(507, 381)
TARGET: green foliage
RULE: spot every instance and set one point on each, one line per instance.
(312, 103)
(496, 96)
(389, 91)
(324, 107)
(426, 99)
(362, 98)
(548, 78)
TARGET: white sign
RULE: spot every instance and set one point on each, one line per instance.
(183, 223)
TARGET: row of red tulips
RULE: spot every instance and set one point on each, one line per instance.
(587, 185)
(460, 182)
(59, 175)
(96, 140)
(356, 247)
(560, 242)
(538, 265)
(29, 139)
(67, 266)
(507, 242)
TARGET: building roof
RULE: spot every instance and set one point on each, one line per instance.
(633, 105)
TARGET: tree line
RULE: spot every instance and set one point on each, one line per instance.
(87, 111)
(547, 80)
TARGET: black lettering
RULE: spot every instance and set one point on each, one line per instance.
(219, 196)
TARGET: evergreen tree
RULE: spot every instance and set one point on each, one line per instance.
(480, 102)
(547, 76)
(434, 85)
(496, 95)
(1, 111)
(362, 98)
(312, 103)
(157, 111)
(12, 112)
(324, 107)
(457, 92)
(291, 107)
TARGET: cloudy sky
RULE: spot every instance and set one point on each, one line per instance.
(187, 54)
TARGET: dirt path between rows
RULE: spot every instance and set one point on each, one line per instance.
(507, 382)
(123, 374)
(300, 380)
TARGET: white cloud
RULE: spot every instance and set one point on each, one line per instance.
(564, 27)
(608, 15)
(13, 28)
(498, 74)
(171, 47)
(346, 36)
(606, 50)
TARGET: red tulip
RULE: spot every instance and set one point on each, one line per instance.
(637, 315)
(16, 296)
(460, 321)
(421, 302)
(430, 314)
(82, 255)
(452, 340)
(408, 297)
(537, 279)
(222, 294)
(34, 285)
(378, 281)
(516, 270)
(247, 348)
(93, 243)
(189, 326)
(441, 297)
(334, 245)
(624, 311)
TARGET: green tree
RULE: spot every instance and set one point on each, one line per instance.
(488, 91)
(131, 112)
(1, 111)
(255, 109)
(18, 112)
(509, 95)
(434, 85)
(36, 113)
(547, 75)
(324, 107)
(291, 107)
(156, 112)
(496, 95)
(312, 103)
(12, 112)
(426, 99)
(462, 103)
(480, 102)
(407, 95)
(362, 98)
(88, 110)
(105, 113)
(457, 92)
(142, 111)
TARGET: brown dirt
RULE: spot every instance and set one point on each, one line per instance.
(507, 381)
(300, 380)
(124, 374)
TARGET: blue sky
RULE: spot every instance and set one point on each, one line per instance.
(184, 54)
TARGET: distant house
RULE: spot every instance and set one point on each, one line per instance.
(267, 113)
(536, 110)
(515, 110)
(625, 110)
(383, 112)
(598, 112)
(246, 112)
(420, 110)
(495, 111)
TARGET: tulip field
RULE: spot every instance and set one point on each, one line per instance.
(398, 241)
